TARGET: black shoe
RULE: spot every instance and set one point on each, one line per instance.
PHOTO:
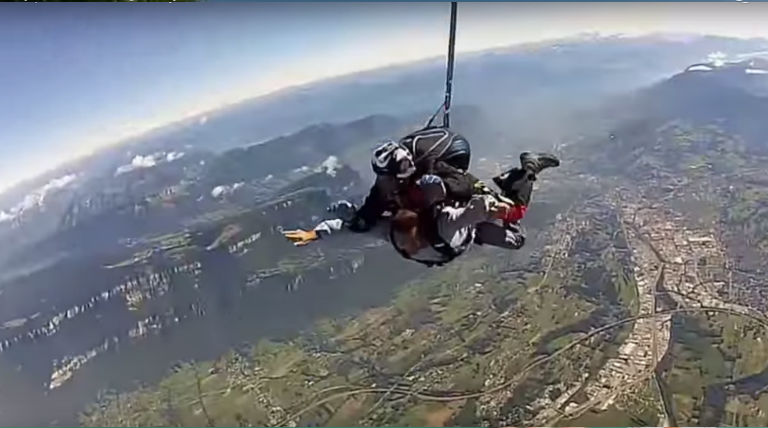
(534, 163)
(516, 184)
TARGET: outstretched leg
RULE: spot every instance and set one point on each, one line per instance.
(509, 236)
(517, 183)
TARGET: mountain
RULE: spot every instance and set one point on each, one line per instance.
(733, 96)
(309, 146)
(169, 249)
(638, 297)
(726, 99)
(517, 87)
(159, 245)
(149, 191)
(517, 83)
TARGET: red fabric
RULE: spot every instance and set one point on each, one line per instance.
(515, 213)
(414, 199)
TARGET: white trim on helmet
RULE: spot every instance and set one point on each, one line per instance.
(391, 156)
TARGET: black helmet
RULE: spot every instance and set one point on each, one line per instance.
(390, 158)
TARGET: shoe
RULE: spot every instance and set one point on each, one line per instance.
(534, 163)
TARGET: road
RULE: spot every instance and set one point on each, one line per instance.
(449, 396)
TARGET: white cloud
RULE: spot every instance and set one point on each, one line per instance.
(202, 120)
(37, 197)
(218, 191)
(148, 161)
(172, 156)
(756, 71)
(223, 190)
(4, 216)
(140, 161)
(330, 165)
(717, 58)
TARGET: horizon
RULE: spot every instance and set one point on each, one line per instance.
(126, 139)
(69, 142)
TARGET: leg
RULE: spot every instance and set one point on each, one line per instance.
(509, 236)
(516, 184)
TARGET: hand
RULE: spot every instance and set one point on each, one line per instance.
(301, 237)
(343, 210)
(480, 188)
(501, 210)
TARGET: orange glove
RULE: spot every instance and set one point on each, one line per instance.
(301, 237)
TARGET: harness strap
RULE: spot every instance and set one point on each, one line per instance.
(429, 228)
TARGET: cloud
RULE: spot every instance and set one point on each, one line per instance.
(717, 58)
(148, 161)
(172, 156)
(224, 189)
(37, 197)
(5, 216)
(330, 165)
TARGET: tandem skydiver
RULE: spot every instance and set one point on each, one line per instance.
(436, 208)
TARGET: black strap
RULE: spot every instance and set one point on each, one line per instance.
(449, 73)
(428, 225)
(428, 263)
(446, 106)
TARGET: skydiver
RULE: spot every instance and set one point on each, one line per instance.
(431, 227)
(432, 236)
(397, 165)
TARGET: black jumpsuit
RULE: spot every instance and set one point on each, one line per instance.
(437, 151)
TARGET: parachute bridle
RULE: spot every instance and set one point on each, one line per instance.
(445, 107)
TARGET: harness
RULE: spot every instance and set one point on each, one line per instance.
(428, 227)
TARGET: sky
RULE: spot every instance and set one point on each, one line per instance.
(75, 77)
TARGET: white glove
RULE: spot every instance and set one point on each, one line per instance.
(343, 210)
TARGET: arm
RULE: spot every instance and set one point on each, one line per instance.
(327, 228)
(459, 185)
(374, 206)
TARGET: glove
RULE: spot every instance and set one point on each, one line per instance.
(480, 188)
(343, 210)
(429, 179)
(301, 237)
(500, 210)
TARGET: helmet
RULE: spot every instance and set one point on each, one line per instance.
(390, 158)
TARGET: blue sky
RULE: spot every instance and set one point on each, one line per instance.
(74, 77)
